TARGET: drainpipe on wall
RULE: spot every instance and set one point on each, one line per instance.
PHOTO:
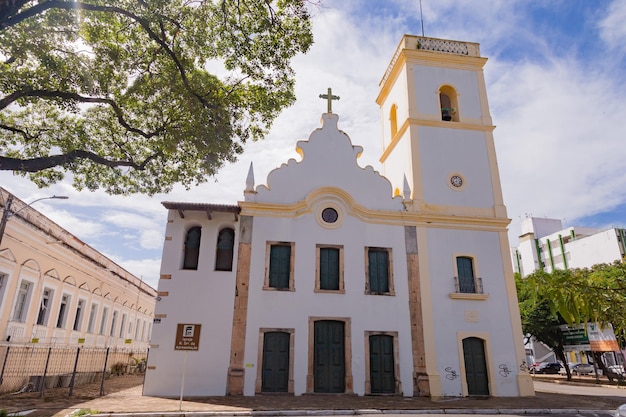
(563, 251)
(538, 249)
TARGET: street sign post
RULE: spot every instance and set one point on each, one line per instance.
(187, 338)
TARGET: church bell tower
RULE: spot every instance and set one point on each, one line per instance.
(439, 153)
(437, 129)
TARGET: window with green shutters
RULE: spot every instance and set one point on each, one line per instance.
(280, 266)
(378, 270)
(465, 270)
(329, 274)
(329, 268)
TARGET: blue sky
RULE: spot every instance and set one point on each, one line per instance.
(556, 82)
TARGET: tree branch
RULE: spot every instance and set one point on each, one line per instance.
(39, 164)
(46, 94)
(27, 136)
(57, 4)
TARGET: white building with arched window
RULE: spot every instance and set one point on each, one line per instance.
(332, 278)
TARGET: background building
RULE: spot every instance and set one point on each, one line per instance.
(57, 290)
(544, 244)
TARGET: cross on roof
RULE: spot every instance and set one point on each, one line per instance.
(329, 97)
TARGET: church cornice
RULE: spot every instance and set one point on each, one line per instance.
(389, 217)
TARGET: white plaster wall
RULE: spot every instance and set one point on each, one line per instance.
(398, 96)
(528, 253)
(493, 314)
(540, 227)
(398, 164)
(201, 297)
(596, 249)
(447, 151)
(284, 309)
(429, 79)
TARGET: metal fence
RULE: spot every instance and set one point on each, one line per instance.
(34, 368)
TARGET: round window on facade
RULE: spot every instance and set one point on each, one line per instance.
(456, 181)
(330, 215)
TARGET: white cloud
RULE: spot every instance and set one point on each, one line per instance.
(128, 220)
(559, 139)
(146, 269)
(84, 229)
(152, 239)
(613, 26)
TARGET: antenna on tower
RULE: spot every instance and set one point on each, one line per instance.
(421, 18)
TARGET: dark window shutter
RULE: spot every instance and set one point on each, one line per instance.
(280, 268)
(224, 250)
(378, 270)
(466, 274)
(192, 248)
(329, 268)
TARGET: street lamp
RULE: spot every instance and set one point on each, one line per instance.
(7, 210)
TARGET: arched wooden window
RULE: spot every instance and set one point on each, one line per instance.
(192, 248)
(393, 120)
(224, 250)
(448, 104)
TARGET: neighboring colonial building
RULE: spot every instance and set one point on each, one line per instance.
(546, 245)
(56, 290)
(332, 278)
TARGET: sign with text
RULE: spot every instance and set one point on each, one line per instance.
(187, 337)
(593, 337)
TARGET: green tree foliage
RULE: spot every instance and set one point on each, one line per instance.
(539, 321)
(134, 96)
(596, 294)
(574, 296)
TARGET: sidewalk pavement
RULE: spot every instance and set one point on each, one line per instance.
(123, 396)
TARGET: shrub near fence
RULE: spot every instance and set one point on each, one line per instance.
(37, 368)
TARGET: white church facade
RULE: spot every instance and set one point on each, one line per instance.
(333, 278)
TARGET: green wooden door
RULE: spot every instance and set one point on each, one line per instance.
(382, 366)
(475, 366)
(275, 366)
(329, 356)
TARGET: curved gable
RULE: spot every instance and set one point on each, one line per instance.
(328, 160)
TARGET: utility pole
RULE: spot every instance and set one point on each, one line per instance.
(8, 213)
(5, 216)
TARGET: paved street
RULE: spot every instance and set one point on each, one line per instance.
(123, 397)
(587, 389)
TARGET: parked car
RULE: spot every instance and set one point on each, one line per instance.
(617, 369)
(583, 369)
(570, 365)
(621, 411)
(548, 368)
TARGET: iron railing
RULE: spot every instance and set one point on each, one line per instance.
(468, 285)
(32, 368)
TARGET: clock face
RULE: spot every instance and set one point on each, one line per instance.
(330, 215)
(456, 181)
